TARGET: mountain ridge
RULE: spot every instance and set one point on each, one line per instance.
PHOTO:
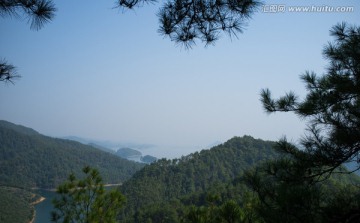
(30, 159)
(18, 128)
(166, 181)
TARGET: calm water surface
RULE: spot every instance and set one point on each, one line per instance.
(44, 208)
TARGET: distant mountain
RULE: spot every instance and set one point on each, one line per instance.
(96, 143)
(127, 152)
(110, 144)
(166, 189)
(135, 155)
(148, 159)
(101, 148)
(29, 159)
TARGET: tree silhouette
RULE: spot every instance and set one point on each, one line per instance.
(332, 107)
(38, 13)
(7, 72)
(185, 21)
(306, 184)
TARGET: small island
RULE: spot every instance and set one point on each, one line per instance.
(135, 155)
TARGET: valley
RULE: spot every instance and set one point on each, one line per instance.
(165, 189)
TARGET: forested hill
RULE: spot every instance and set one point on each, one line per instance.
(170, 180)
(17, 128)
(29, 159)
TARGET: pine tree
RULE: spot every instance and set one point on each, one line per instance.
(300, 185)
(38, 13)
(185, 21)
(86, 201)
(331, 106)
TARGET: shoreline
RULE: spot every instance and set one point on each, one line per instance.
(41, 199)
(38, 201)
(54, 189)
(45, 189)
(33, 217)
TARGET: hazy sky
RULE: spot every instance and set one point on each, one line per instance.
(96, 72)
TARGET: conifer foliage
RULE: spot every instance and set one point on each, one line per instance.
(331, 106)
(185, 21)
(304, 184)
(38, 12)
(86, 200)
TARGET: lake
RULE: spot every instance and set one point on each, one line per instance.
(43, 209)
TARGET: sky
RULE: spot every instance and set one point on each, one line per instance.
(101, 73)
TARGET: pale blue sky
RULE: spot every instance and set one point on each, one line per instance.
(96, 72)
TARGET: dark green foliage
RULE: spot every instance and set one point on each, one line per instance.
(30, 159)
(15, 205)
(197, 214)
(223, 185)
(283, 197)
(308, 184)
(161, 212)
(343, 205)
(229, 212)
(192, 178)
(331, 106)
(281, 201)
(18, 128)
(85, 201)
(226, 202)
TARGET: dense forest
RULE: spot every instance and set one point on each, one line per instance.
(170, 185)
(214, 186)
(15, 205)
(29, 159)
(242, 180)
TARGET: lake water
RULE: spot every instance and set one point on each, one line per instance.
(43, 209)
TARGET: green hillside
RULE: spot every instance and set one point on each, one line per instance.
(208, 186)
(15, 205)
(169, 182)
(18, 128)
(29, 159)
